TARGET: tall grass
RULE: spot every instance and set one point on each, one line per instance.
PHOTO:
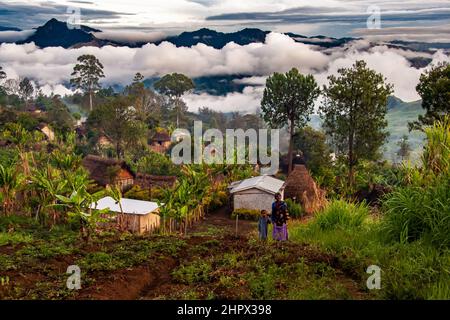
(342, 214)
(421, 210)
(295, 210)
(415, 212)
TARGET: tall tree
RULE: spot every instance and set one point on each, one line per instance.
(26, 89)
(174, 86)
(404, 148)
(86, 76)
(434, 88)
(288, 100)
(117, 120)
(354, 110)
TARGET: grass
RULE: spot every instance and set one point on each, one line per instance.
(409, 270)
(14, 238)
(343, 215)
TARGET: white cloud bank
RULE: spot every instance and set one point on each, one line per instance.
(51, 67)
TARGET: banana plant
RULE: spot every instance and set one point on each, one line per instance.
(78, 206)
(115, 193)
(10, 182)
(47, 183)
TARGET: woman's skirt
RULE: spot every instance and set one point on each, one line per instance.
(280, 233)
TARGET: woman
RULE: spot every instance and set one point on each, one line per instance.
(280, 217)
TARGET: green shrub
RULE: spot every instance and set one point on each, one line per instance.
(295, 210)
(99, 261)
(246, 214)
(342, 214)
(137, 193)
(196, 272)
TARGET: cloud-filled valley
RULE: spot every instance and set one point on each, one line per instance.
(51, 67)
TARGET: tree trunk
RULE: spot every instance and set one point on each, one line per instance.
(291, 145)
(90, 101)
(351, 171)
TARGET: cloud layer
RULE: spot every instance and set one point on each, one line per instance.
(51, 67)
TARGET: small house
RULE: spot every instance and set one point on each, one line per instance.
(256, 193)
(136, 216)
(105, 171)
(160, 142)
(301, 187)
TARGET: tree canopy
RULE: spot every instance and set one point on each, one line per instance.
(288, 100)
(87, 74)
(434, 88)
(354, 110)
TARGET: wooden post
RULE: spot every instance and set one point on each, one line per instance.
(237, 223)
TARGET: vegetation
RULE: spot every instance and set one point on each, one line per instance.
(434, 87)
(173, 86)
(246, 214)
(86, 76)
(377, 213)
(354, 111)
(288, 100)
(294, 209)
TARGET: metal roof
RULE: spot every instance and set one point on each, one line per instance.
(265, 183)
(129, 206)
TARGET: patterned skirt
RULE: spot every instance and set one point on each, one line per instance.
(280, 233)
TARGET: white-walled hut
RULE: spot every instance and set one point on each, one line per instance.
(255, 193)
(138, 216)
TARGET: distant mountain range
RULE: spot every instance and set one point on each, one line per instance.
(56, 33)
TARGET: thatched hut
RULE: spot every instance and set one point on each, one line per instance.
(105, 171)
(160, 142)
(301, 187)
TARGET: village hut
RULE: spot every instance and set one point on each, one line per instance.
(255, 193)
(301, 187)
(160, 142)
(105, 171)
(135, 216)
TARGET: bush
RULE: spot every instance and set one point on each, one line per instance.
(295, 210)
(246, 214)
(137, 193)
(342, 214)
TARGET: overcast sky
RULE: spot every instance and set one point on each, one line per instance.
(328, 17)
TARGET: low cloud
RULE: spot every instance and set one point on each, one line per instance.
(51, 67)
(13, 36)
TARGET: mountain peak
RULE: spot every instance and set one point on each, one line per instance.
(55, 33)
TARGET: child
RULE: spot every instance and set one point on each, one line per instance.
(263, 224)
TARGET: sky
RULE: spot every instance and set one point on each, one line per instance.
(336, 18)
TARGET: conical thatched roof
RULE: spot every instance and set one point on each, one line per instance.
(301, 186)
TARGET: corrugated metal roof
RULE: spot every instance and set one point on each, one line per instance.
(129, 206)
(265, 183)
